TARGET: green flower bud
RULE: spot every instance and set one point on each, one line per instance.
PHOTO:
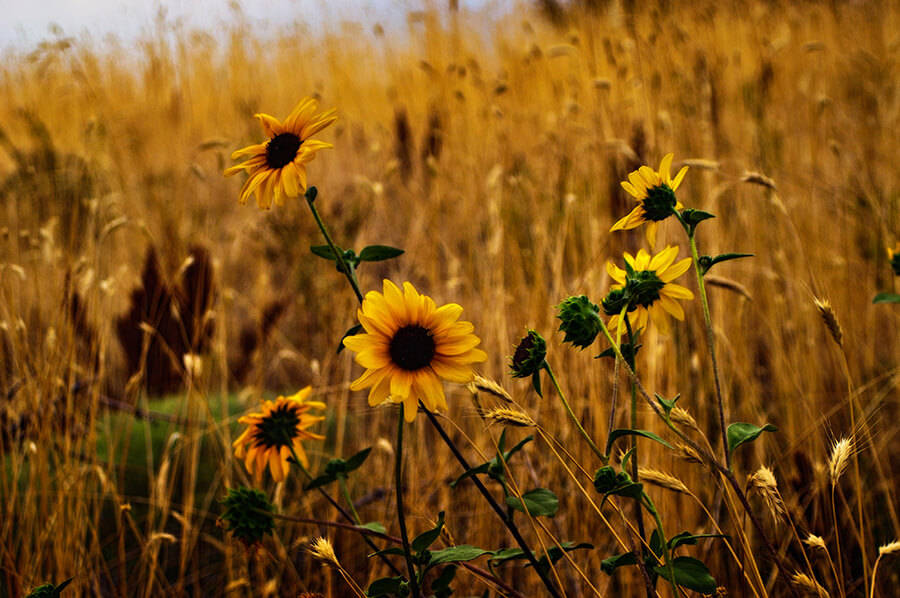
(247, 515)
(580, 321)
(605, 479)
(529, 356)
(614, 302)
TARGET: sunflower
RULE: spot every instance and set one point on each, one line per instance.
(271, 433)
(409, 344)
(277, 169)
(655, 194)
(648, 289)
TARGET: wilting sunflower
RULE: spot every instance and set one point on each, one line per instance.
(409, 344)
(655, 194)
(277, 169)
(648, 289)
(271, 433)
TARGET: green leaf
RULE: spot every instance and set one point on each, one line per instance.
(393, 551)
(618, 433)
(689, 539)
(886, 298)
(483, 468)
(739, 433)
(373, 526)
(667, 404)
(456, 554)
(620, 560)
(694, 217)
(690, 573)
(554, 553)
(386, 586)
(322, 480)
(357, 460)
(376, 253)
(507, 554)
(540, 502)
(426, 539)
(324, 251)
(441, 585)
(352, 331)
(707, 262)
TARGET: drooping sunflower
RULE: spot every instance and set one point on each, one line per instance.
(648, 290)
(409, 345)
(271, 433)
(655, 193)
(277, 169)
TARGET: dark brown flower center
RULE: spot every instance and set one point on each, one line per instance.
(278, 428)
(412, 347)
(282, 149)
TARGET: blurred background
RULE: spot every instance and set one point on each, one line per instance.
(142, 309)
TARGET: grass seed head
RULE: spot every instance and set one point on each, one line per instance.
(892, 548)
(815, 541)
(322, 549)
(763, 480)
(809, 585)
(510, 417)
(662, 479)
(831, 321)
(479, 383)
(839, 459)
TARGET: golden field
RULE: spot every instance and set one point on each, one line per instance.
(491, 150)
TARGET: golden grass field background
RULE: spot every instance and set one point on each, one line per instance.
(491, 151)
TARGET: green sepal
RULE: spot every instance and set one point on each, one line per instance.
(739, 433)
(690, 573)
(425, 539)
(536, 382)
(667, 404)
(886, 298)
(540, 502)
(377, 253)
(694, 217)
(618, 433)
(707, 262)
(456, 554)
(352, 331)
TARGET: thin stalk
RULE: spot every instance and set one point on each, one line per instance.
(837, 541)
(634, 426)
(665, 548)
(615, 392)
(509, 523)
(338, 256)
(720, 403)
(562, 396)
(401, 515)
(343, 484)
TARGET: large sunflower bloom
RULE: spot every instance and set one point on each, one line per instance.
(649, 288)
(271, 433)
(277, 169)
(655, 193)
(409, 344)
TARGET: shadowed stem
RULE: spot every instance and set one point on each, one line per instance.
(615, 391)
(634, 426)
(508, 522)
(338, 256)
(401, 514)
(562, 397)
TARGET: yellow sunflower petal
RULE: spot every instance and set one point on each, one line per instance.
(658, 316)
(373, 358)
(290, 176)
(369, 378)
(271, 125)
(430, 390)
(410, 408)
(615, 272)
(663, 259)
(675, 270)
(301, 113)
(676, 291)
(676, 182)
(665, 166)
(317, 124)
(381, 391)
(457, 346)
(449, 369)
(394, 300)
(631, 190)
(401, 383)
(275, 465)
(412, 302)
(257, 150)
(671, 306)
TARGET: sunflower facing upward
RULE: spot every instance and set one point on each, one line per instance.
(277, 169)
(655, 194)
(649, 290)
(271, 434)
(409, 344)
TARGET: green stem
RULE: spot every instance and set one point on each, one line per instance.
(571, 413)
(338, 256)
(401, 515)
(634, 426)
(615, 392)
(665, 546)
(343, 484)
(709, 337)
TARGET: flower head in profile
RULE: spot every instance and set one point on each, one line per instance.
(894, 257)
(272, 433)
(409, 345)
(655, 193)
(277, 169)
(529, 357)
(247, 514)
(647, 289)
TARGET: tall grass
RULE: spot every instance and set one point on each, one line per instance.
(492, 153)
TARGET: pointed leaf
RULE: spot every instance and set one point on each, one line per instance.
(540, 502)
(425, 539)
(386, 586)
(456, 554)
(689, 539)
(707, 262)
(324, 251)
(322, 480)
(357, 460)
(376, 253)
(374, 526)
(667, 404)
(690, 573)
(620, 560)
(739, 433)
(886, 298)
(616, 434)
(536, 381)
